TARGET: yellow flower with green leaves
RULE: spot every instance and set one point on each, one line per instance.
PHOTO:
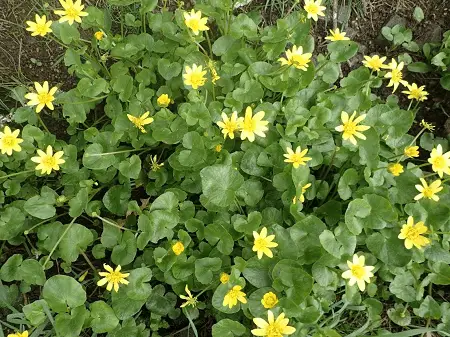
(233, 296)
(263, 243)
(112, 278)
(395, 75)
(269, 300)
(190, 300)
(178, 248)
(428, 191)
(415, 92)
(164, 100)
(396, 169)
(40, 27)
(272, 327)
(141, 121)
(19, 334)
(375, 62)
(358, 272)
(42, 97)
(224, 278)
(350, 127)
(154, 165)
(337, 35)
(314, 9)
(99, 35)
(251, 125)
(195, 22)
(229, 125)
(71, 12)
(9, 141)
(412, 234)
(427, 125)
(297, 158)
(47, 161)
(194, 76)
(440, 161)
(411, 151)
(301, 198)
(295, 57)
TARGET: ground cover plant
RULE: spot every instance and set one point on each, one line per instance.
(219, 178)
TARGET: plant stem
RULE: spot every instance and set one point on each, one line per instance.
(42, 122)
(58, 242)
(115, 152)
(114, 224)
(89, 262)
(16, 174)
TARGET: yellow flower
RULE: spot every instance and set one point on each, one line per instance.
(411, 233)
(440, 161)
(48, 161)
(224, 278)
(427, 125)
(154, 163)
(112, 277)
(314, 9)
(301, 198)
(269, 300)
(218, 148)
(359, 273)
(190, 300)
(178, 248)
(297, 158)
(99, 35)
(350, 127)
(9, 141)
(375, 62)
(395, 75)
(337, 35)
(263, 243)
(296, 58)
(252, 125)
(415, 92)
(139, 122)
(73, 11)
(40, 27)
(428, 191)
(195, 21)
(229, 125)
(195, 76)
(164, 100)
(43, 96)
(233, 296)
(273, 327)
(396, 169)
(19, 334)
(411, 151)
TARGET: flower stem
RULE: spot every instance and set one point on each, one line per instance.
(16, 174)
(42, 122)
(115, 152)
(58, 242)
(88, 261)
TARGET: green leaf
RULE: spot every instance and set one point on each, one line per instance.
(62, 291)
(148, 5)
(445, 82)
(155, 226)
(205, 267)
(139, 288)
(125, 252)
(35, 312)
(123, 306)
(32, 272)
(290, 277)
(96, 158)
(400, 315)
(11, 223)
(65, 32)
(167, 69)
(10, 270)
(123, 85)
(357, 210)
(116, 199)
(242, 25)
(131, 167)
(103, 317)
(79, 202)
(92, 88)
(341, 51)
(166, 201)
(77, 239)
(349, 178)
(70, 325)
(402, 287)
(228, 328)
(247, 226)
(330, 244)
(429, 308)
(217, 234)
(251, 92)
(220, 183)
(389, 250)
(418, 14)
(40, 207)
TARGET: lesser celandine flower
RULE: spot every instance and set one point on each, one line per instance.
(411, 151)
(415, 92)
(40, 27)
(296, 58)
(99, 35)
(224, 278)
(263, 243)
(396, 169)
(269, 300)
(374, 62)
(233, 296)
(314, 9)
(112, 277)
(301, 198)
(427, 125)
(19, 334)
(440, 161)
(350, 127)
(163, 100)
(395, 75)
(337, 35)
(195, 76)
(72, 11)
(297, 158)
(141, 121)
(428, 191)
(218, 148)
(195, 21)
(229, 125)
(47, 161)
(272, 327)
(178, 248)
(42, 97)
(9, 141)
(358, 273)
(252, 125)
(411, 233)
(155, 166)
(212, 69)
(190, 300)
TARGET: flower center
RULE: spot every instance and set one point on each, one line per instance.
(230, 126)
(115, 276)
(41, 28)
(428, 192)
(271, 301)
(299, 60)
(260, 244)
(296, 158)
(273, 330)
(312, 9)
(71, 12)
(49, 161)
(439, 162)
(358, 271)
(396, 75)
(350, 127)
(233, 294)
(193, 24)
(412, 233)
(197, 79)
(8, 141)
(45, 98)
